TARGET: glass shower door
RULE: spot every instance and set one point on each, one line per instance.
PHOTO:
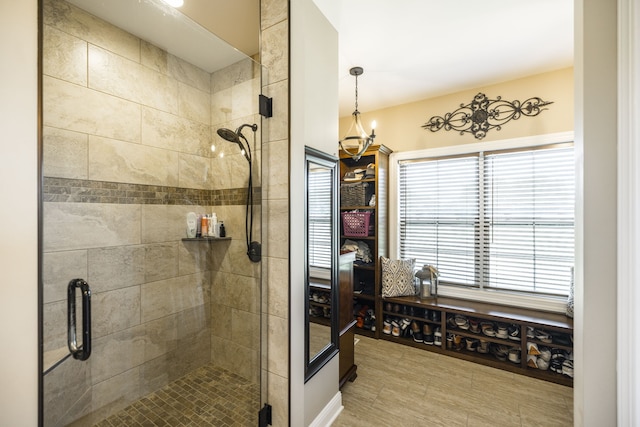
(130, 307)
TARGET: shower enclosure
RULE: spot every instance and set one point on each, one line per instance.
(129, 148)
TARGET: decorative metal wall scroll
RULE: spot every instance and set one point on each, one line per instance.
(484, 114)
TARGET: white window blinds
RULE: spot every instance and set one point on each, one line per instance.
(319, 217)
(439, 205)
(499, 220)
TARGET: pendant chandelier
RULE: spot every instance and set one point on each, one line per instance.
(356, 133)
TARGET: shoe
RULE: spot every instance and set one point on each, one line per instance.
(514, 332)
(405, 310)
(366, 323)
(395, 328)
(415, 332)
(474, 326)
(532, 349)
(487, 329)
(556, 365)
(544, 337)
(514, 355)
(322, 299)
(412, 311)
(531, 334)
(404, 327)
(472, 344)
(567, 368)
(483, 347)
(427, 334)
(545, 353)
(437, 340)
(451, 322)
(435, 316)
(396, 308)
(461, 321)
(386, 327)
(532, 361)
(372, 317)
(387, 307)
(542, 364)
(450, 341)
(499, 351)
(502, 331)
(458, 342)
(427, 314)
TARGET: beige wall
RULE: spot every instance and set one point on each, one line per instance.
(19, 214)
(400, 129)
(314, 113)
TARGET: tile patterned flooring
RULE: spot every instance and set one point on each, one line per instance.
(396, 386)
(404, 386)
(208, 396)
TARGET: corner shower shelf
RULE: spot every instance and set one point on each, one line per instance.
(204, 239)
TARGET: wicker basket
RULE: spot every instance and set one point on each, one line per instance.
(353, 194)
(355, 224)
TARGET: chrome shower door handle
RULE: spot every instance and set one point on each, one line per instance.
(83, 351)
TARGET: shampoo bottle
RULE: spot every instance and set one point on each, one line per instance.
(213, 225)
(205, 230)
(223, 232)
(192, 227)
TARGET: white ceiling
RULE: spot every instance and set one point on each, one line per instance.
(410, 49)
(417, 49)
(182, 32)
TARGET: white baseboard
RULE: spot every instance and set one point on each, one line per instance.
(328, 415)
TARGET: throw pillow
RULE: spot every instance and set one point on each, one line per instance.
(397, 277)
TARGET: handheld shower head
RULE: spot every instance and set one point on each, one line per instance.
(253, 248)
(231, 136)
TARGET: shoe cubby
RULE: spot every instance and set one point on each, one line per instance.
(523, 341)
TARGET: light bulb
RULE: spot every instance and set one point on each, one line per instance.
(373, 125)
(213, 147)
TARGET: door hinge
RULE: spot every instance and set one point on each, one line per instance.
(264, 416)
(265, 106)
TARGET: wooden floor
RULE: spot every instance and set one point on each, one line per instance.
(403, 386)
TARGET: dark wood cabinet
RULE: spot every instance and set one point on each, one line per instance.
(364, 189)
(346, 322)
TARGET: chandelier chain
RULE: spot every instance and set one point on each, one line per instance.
(356, 93)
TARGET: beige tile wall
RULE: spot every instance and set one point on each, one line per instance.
(119, 109)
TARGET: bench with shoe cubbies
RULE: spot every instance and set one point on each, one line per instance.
(524, 341)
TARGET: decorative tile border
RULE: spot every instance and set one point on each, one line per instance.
(88, 191)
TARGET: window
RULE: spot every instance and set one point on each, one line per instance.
(493, 220)
(319, 217)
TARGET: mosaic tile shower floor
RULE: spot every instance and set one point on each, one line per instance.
(208, 396)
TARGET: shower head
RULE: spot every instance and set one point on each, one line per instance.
(231, 136)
